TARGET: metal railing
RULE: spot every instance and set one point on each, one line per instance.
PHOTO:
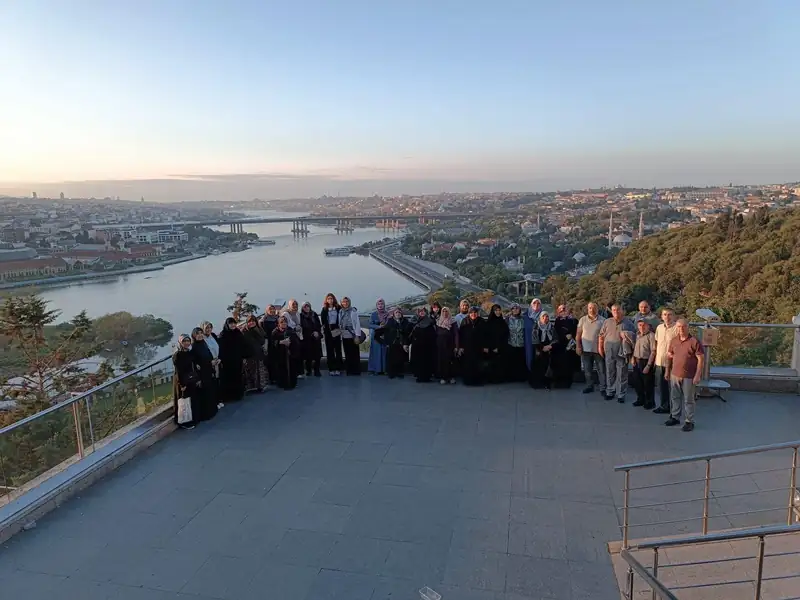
(774, 470)
(786, 558)
(40, 445)
(754, 345)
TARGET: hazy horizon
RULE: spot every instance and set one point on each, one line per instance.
(183, 100)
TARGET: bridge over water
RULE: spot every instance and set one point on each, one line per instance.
(301, 222)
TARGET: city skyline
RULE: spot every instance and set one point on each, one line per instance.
(188, 101)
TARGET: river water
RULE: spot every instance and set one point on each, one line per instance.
(198, 290)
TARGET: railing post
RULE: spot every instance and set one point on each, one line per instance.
(76, 417)
(760, 573)
(792, 488)
(630, 583)
(625, 506)
(89, 418)
(706, 494)
(796, 345)
(655, 570)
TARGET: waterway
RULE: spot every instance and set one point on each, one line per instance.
(190, 292)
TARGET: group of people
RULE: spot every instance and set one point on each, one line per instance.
(286, 344)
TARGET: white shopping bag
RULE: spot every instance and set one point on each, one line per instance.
(184, 411)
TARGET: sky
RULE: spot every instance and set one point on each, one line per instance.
(205, 100)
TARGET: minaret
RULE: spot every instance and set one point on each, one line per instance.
(610, 228)
(641, 225)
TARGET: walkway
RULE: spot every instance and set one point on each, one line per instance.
(367, 489)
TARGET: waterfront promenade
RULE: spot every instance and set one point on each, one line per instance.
(365, 489)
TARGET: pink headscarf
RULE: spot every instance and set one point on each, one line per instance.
(445, 322)
(380, 306)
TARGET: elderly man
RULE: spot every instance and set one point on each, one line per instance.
(647, 315)
(617, 337)
(684, 368)
(586, 340)
(664, 334)
(643, 362)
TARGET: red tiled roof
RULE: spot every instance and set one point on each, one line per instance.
(40, 263)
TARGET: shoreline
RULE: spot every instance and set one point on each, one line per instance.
(67, 279)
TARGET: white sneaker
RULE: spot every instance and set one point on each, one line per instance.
(221, 405)
(442, 382)
(301, 376)
(453, 381)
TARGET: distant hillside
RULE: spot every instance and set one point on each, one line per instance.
(745, 268)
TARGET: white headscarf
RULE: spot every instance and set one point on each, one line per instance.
(293, 319)
(545, 331)
(533, 313)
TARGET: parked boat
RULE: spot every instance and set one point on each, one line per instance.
(344, 251)
(263, 242)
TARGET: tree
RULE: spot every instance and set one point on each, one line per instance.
(241, 308)
(447, 295)
(50, 361)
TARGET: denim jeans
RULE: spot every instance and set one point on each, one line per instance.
(683, 398)
(590, 361)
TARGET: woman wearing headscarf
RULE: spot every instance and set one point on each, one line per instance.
(567, 359)
(394, 337)
(254, 369)
(497, 340)
(516, 368)
(329, 316)
(352, 336)
(446, 346)
(232, 351)
(204, 366)
(531, 318)
(268, 323)
(312, 339)
(213, 346)
(377, 351)
(423, 346)
(435, 311)
(546, 344)
(292, 312)
(473, 347)
(286, 346)
(185, 380)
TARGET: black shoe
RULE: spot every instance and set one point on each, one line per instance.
(609, 397)
(588, 389)
(661, 410)
(672, 422)
(688, 426)
(621, 400)
(638, 403)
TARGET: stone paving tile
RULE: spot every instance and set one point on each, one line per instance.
(361, 489)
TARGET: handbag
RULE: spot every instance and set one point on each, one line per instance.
(184, 411)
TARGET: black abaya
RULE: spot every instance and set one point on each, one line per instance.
(497, 341)
(423, 350)
(446, 344)
(285, 357)
(232, 352)
(394, 335)
(184, 385)
(207, 393)
(545, 364)
(311, 343)
(472, 342)
(565, 362)
(333, 343)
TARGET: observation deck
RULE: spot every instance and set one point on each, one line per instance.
(364, 488)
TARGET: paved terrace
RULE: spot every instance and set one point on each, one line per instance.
(364, 489)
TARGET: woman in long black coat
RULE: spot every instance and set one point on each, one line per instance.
(473, 347)
(268, 323)
(286, 346)
(312, 339)
(204, 366)
(446, 347)
(185, 381)
(395, 336)
(547, 346)
(332, 332)
(423, 346)
(497, 340)
(567, 361)
(232, 352)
